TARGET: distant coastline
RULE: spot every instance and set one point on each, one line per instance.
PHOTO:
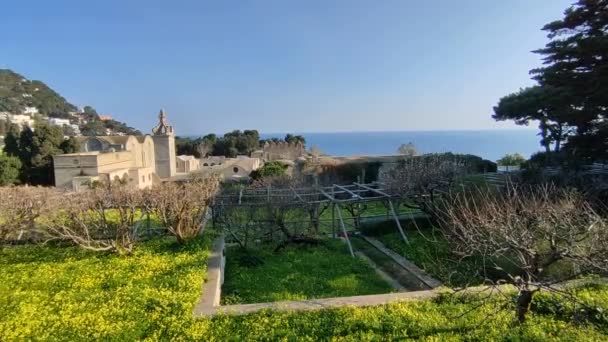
(490, 144)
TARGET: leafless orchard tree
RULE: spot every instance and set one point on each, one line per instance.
(418, 179)
(315, 152)
(282, 207)
(20, 208)
(408, 150)
(183, 208)
(100, 219)
(527, 228)
(271, 212)
(205, 148)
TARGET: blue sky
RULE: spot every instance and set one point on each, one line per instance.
(281, 65)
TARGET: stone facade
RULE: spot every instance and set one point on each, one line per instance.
(187, 164)
(140, 161)
(238, 168)
(281, 151)
(164, 147)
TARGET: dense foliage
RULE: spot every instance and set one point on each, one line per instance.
(571, 99)
(514, 159)
(55, 293)
(9, 169)
(270, 169)
(347, 173)
(297, 273)
(35, 150)
(230, 145)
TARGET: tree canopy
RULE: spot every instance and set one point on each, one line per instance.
(9, 170)
(514, 159)
(269, 170)
(408, 150)
(570, 101)
(35, 149)
(230, 145)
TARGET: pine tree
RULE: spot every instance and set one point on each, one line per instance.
(576, 65)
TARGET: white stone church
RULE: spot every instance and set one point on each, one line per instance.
(137, 160)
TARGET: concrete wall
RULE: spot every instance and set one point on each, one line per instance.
(143, 178)
(164, 154)
(186, 166)
(68, 166)
(231, 168)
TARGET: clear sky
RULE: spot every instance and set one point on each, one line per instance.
(281, 65)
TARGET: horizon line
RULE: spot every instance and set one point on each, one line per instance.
(372, 131)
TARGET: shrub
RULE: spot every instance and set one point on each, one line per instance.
(514, 159)
(349, 172)
(9, 170)
(270, 169)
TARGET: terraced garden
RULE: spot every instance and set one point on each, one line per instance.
(65, 293)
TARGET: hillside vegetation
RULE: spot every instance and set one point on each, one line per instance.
(17, 93)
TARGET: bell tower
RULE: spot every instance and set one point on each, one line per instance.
(164, 147)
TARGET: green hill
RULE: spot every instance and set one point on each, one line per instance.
(17, 93)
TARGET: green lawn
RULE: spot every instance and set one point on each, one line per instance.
(298, 273)
(429, 250)
(65, 294)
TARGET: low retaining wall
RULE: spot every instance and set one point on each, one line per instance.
(424, 277)
(209, 303)
(318, 304)
(212, 287)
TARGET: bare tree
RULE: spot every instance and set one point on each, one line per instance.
(272, 211)
(418, 179)
(21, 207)
(408, 150)
(183, 208)
(529, 229)
(315, 152)
(205, 148)
(106, 218)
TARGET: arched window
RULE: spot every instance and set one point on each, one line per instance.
(205, 164)
(94, 145)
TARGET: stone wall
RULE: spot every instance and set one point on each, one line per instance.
(283, 151)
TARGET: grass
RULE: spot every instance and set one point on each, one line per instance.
(71, 294)
(444, 319)
(66, 294)
(428, 249)
(298, 273)
(386, 264)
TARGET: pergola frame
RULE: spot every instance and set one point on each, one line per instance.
(335, 196)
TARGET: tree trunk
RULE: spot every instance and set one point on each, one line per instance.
(524, 300)
(558, 138)
(543, 134)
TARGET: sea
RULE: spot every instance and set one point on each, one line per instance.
(488, 144)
